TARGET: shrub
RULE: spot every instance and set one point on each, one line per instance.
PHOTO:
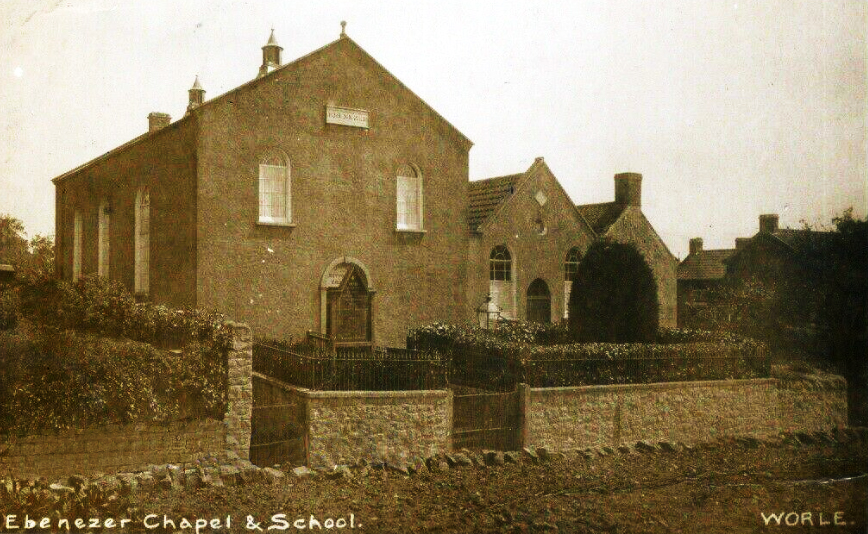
(493, 359)
(62, 379)
(105, 307)
(9, 304)
(613, 296)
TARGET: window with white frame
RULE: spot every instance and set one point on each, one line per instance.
(409, 199)
(501, 287)
(76, 246)
(103, 215)
(143, 241)
(275, 190)
(571, 267)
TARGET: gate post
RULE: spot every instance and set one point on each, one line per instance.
(523, 392)
(239, 405)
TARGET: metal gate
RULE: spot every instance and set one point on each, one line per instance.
(275, 437)
(486, 421)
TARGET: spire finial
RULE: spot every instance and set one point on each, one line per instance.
(196, 85)
(343, 28)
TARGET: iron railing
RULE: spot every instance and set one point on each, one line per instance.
(350, 368)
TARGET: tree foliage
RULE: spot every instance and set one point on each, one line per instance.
(32, 258)
(613, 296)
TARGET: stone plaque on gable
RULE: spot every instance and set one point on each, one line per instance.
(357, 118)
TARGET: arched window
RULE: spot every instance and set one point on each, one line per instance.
(275, 204)
(539, 302)
(571, 267)
(103, 216)
(143, 241)
(501, 288)
(76, 246)
(500, 264)
(409, 203)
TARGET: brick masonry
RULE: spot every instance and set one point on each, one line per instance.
(118, 448)
(689, 412)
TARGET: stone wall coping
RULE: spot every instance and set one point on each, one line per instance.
(357, 394)
(278, 384)
(656, 386)
(422, 393)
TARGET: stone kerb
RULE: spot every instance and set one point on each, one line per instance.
(239, 406)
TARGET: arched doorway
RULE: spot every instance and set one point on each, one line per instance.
(539, 302)
(347, 299)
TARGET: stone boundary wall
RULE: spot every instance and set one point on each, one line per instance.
(810, 405)
(689, 412)
(390, 426)
(342, 427)
(117, 448)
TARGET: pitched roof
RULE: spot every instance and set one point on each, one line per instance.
(802, 241)
(705, 265)
(486, 195)
(290, 65)
(601, 216)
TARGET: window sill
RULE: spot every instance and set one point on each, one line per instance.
(411, 231)
(286, 224)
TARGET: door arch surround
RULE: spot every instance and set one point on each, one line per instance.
(332, 276)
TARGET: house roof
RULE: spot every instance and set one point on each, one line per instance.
(705, 265)
(601, 216)
(251, 83)
(486, 195)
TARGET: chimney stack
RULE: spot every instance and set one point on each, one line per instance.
(196, 96)
(157, 121)
(741, 242)
(270, 56)
(768, 223)
(628, 189)
(696, 245)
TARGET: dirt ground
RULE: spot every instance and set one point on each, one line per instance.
(712, 489)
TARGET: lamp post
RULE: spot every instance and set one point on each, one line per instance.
(487, 311)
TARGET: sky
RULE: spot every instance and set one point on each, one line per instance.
(729, 109)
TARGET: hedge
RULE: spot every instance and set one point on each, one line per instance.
(499, 358)
(86, 353)
(105, 307)
(52, 379)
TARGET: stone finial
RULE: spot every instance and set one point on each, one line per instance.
(343, 28)
(270, 55)
(196, 95)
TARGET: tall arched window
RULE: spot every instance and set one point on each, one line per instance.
(500, 281)
(409, 204)
(143, 241)
(76, 246)
(275, 204)
(571, 267)
(103, 216)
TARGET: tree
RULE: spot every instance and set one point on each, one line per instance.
(31, 259)
(14, 249)
(613, 296)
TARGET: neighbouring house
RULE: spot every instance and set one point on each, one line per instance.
(323, 195)
(699, 274)
(623, 221)
(775, 253)
(772, 253)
